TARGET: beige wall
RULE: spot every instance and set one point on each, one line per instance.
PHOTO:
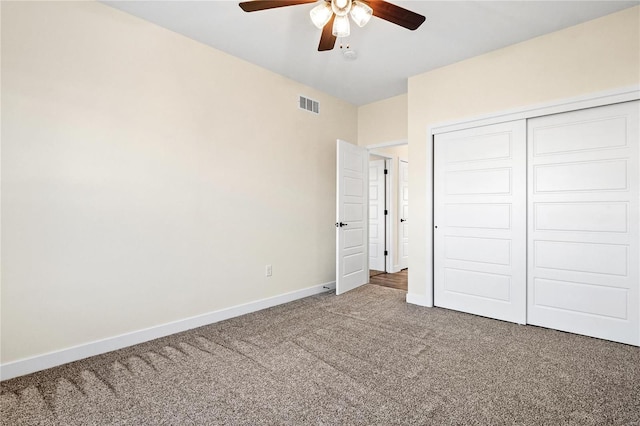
(383, 121)
(148, 178)
(595, 56)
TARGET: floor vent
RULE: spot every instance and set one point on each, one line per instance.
(309, 105)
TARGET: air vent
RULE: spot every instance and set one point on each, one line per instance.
(309, 105)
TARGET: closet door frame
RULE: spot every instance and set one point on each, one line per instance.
(423, 293)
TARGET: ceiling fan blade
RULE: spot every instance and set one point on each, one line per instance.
(327, 39)
(396, 14)
(255, 5)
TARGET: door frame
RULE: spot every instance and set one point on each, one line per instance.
(423, 295)
(398, 211)
(391, 231)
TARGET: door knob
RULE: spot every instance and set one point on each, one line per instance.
(340, 224)
(404, 220)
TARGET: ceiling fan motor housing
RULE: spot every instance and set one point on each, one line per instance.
(341, 7)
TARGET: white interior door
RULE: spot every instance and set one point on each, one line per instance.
(376, 215)
(352, 269)
(583, 222)
(403, 211)
(480, 221)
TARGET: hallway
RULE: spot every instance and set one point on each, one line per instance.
(399, 280)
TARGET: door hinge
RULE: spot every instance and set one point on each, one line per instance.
(386, 212)
(386, 253)
(386, 172)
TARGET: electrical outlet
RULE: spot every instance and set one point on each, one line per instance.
(268, 271)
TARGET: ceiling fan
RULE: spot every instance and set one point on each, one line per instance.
(332, 16)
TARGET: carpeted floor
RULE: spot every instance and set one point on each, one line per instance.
(365, 357)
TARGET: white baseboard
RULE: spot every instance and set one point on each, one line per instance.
(75, 353)
(419, 299)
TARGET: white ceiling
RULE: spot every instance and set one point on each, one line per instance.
(283, 40)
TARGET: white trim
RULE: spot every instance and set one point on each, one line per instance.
(399, 213)
(420, 300)
(75, 353)
(388, 144)
(608, 97)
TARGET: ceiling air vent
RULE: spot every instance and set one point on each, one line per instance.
(309, 105)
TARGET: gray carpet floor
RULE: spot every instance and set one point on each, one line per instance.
(362, 358)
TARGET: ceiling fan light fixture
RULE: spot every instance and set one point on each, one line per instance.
(361, 13)
(321, 14)
(341, 26)
(341, 7)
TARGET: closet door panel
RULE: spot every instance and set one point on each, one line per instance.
(480, 214)
(583, 222)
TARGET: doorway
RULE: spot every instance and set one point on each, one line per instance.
(388, 216)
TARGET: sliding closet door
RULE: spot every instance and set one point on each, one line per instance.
(583, 222)
(479, 218)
